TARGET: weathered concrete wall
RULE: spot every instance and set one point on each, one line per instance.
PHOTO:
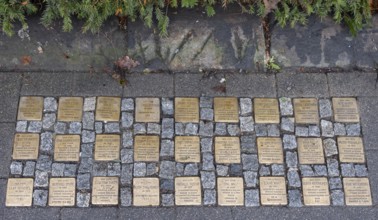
(229, 40)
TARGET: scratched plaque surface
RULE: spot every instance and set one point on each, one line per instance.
(107, 147)
(30, 108)
(146, 191)
(226, 109)
(19, 192)
(270, 150)
(147, 110)
(108, 108)
(188, 191)
(266, 111)
(357, 192)
(273, 191)
(67, 148)
(105, 191)
(306, 111)
(230, 191)
(187, 149)
(345, 110)
(146, 148)
(186, 110)
(70, 109)
(351, 150)
(315, 191)
(25, 146)
(62, 192)
(310, 151)
(227, 150)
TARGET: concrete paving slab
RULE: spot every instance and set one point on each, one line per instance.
(353, 84)
(198, 84)
(9, 91)
(44, 83)
(147, 213)
(105, 213)
(87, 84)
(251, 85)
(302, 85)
(31, 214)
(369, 121)
(149, 85)
(372, 158)
(203, 213)
(6, 143)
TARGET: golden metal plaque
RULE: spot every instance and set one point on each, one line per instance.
(187, 149)
(146, 191)
(306, 111)
(226, 109)
(227, 150)
(273, 191)
(270, 150)
(186, 110)
(188, 191)
(351, 150)
(345, 110)
(266, 111)
(62, 192)
(67, 148)
(105, 191)
(310, 151)
(147, 110)
(70, 109)
(108, 108)
(315, 191)
(107, 147)
(30, 108)
(25, 146)
(357, 192)
(19, 192)
(146, 148)
(230, 191)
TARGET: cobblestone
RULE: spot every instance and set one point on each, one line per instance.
(127, 120)
(167, 170)
(16, 168)
(46, 145)
(361, 170)
(83, 181)
(57, 169)
(339, 129)
(88, 136)
(206, 145)
(286, 106)
(295, 198)
(287, 124)
(273, 130)
(167, 106)
(207, 162)
(252, 198)
(179, 128)
(60, 128)
(261, 130)
(353, 129)
(278, 170)
(127, 139)
(89, 104)
(208, 180)
(248, 144)
(347, 170)
(126, 197)
(167, 128)
(327, 128)
(82, 199)
(153, 128)
(250, 162)
(50, 104)
(207, 114)
(293, 178)
(220, 129)
(333, 167)
(301, 131)
(74, 128)
(233, 129)
(112, 127)
(313, 131)
(191, 129)
(206, 102)
(29, 169)
(337, 198)
(40, 197)
(35, 127)
(88, 120)
(140, 169)
(330, 147)
(250, 178)
(246, 124)
(48, 121)
(139, 128)
(21, 126)
(209, 197)
(127, 105)
(222, 170)
(167, 148)
(289, 142)
(325, 108)
(335, 183)
(245, 106)
(127, 174)
(191, 170)
(167, 200)
(264, 171)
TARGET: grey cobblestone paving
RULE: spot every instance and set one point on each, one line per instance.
(291, 168)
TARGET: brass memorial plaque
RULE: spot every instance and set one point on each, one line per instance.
(107, 147)
(188, 191)
(146, 192)
(105, 191)
(357, 192)
(70, 109)
(67, 148)
(226, 110)
(62, 192)
(306, 111)
(345, 110)
(25, 146)
(187, 149)
(147, 110)
(273, 191)
(315, 191)
(351, 150)
(230, 191)
(30, 108)
(227, 150)
(108, 108)
(310, 151)
(266, 111)
(146, 148)
(19, 192)
(269, 150)
(186, 110)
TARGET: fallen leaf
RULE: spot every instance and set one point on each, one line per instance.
(40, 50)
(220, 88)
(26, 60)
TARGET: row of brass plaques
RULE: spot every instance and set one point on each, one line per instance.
(146, 191)
(187, 109)
(187, 149)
